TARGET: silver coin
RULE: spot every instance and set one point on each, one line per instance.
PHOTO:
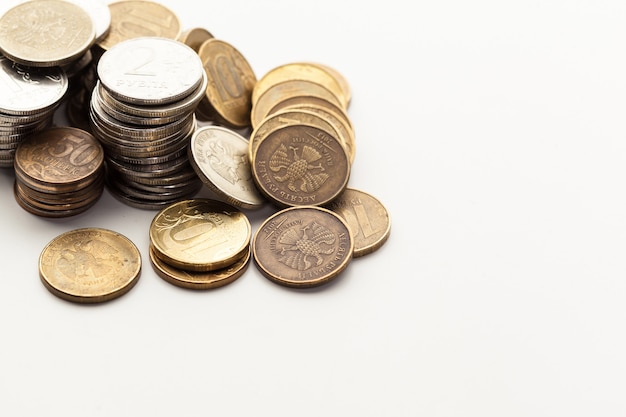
(100, 15)
(26, 90)
(150, 70)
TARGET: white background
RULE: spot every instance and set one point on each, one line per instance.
(494, 134)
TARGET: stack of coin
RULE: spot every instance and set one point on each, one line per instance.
(200, 243)
(28, 99)
(59, 172)
(142, 111)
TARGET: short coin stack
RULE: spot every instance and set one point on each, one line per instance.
(142, 110)
(59, 172)
(200, 243)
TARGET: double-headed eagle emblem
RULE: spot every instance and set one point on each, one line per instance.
(302, 245)
(298, 168)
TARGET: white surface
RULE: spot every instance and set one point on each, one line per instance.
(494, 133)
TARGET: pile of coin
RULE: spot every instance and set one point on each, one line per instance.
(142, 110)
(200, 243)
(59, 172)
(302, 144)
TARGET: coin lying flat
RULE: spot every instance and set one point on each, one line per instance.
(220, 158)
(200, 235)
(137, 18)
(199, 280)
(367, 218)
(46, 33)
(90, 265)
(303, 247)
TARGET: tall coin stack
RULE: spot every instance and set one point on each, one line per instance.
(142, 111)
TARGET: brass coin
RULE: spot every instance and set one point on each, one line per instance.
(195, 37)
(231, 80)
(303, 247)
(220, 158)
(341, 80)
(60, 155)
(199, 280)
(46, 33)
(299, 165)
(138, 18)
(367, 218)
(200, 234)
(300, 71)
(90, 265)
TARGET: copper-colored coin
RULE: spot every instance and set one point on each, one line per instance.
(46, 33)
(286, 90)
(60, 155)
(137, 18)
(298, 165)
(199, 280)
(220, 158)
(90, 265)
(367, 217)
(300, 71)
(303, 247)
(195, 37)
(231, 80)
(200, 235)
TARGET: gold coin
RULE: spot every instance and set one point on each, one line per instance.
(303, 247)
(90, 265)
(367, 218)
(300, 165)
(341, 80)
(300, 71)
(199, 280)
(200, 235)
(46, 33)
(285, 90)
(138, 18)
(231, 80)
(195, 37)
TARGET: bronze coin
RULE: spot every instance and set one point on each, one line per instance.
(303, 247)
(299, 165)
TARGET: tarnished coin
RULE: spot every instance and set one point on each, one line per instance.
(138, 18)
(299, 165)
(90, 265)
(200, 235)
(303, 247)
(199, 280)
(25, 91)
(195, 37)
(231, 80)
(220, 158)
(46, 33)
(300, 71)
(367, 218)
(150, 70)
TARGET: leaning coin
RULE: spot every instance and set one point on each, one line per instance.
(46, 33)
(195, 37)
(367, 217)
(231, 80)
(220, 158)
(200, 234)
(199, 280)
(138, 18)
(90, 265)
(303, 247)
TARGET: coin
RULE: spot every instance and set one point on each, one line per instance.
(299, 165)
(200, 234)
(195, 37)
(231, 80)
(367, 218)
(220, 158)
(303, 247)
(199, 280)
(137, 18)
(150, 70)
(90, 265)
(100, 14)
(45, 33)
